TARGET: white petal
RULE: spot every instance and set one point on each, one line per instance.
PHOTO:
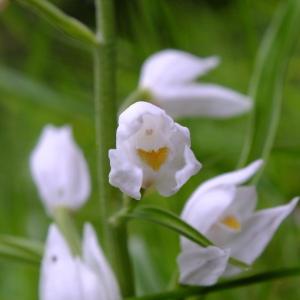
(172, 180)
(232, 178)
(206, 100)
(202, 266)
(183, 165)
(244, 203)
(94, 258)
(59, 169)
(242, 207)
(130, 120)
(91, 285)
(59, 273)
(191, 167)
(124, 175)
(204, 209)
(258, 230)
(173, 66)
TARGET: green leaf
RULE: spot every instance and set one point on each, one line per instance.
(173, 222)
(268, 79)
(20, 250)
(33, 248)
(34, 92)
(15, 255)
(183, 292)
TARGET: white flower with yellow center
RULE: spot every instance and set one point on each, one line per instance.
(59, 169)
(169, 78)
(64, 276)
(225, 213)
(152, 151)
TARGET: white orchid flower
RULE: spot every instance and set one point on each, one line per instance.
(169, 78)
(59, 169)
(152, 151)
(225, 213)
(76, 278)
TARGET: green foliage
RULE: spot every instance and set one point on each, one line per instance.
(43, 79)
(268, 79)
(169, 220)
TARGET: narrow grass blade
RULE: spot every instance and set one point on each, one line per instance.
(183, 292)
(17, 254)
(268, 79)
(31, 247)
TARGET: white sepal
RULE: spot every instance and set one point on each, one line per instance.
(258, 230)
(94, 258)
(208, 100)
(76, 278)
(174, 67)
(201, 266)
(169, 78)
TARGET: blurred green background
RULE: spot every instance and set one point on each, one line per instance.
(47, 78)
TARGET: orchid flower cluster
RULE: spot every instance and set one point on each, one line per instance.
(154, 152)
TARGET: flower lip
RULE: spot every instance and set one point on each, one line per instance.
(154, 158)
(231, 222)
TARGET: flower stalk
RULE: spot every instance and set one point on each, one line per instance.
(62, 21)
(115, 238)
(64, 220)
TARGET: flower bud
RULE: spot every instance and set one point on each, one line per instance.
(59, 170)
(64, 276)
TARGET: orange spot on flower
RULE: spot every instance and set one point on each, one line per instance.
(154, 158)
(232, 222)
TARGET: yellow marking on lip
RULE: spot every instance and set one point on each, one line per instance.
(154, 158)
(232, 222)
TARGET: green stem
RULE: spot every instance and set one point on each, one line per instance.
(229, 284)
(115, 238)
(64, 220)
(120, 217)
(62, 21)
